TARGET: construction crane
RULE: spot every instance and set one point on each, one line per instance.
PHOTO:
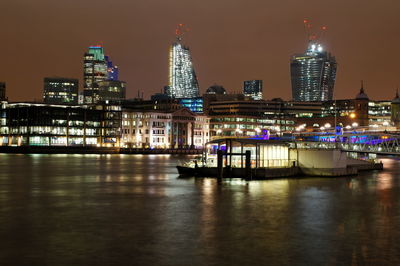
(313, 36)
(180, 30)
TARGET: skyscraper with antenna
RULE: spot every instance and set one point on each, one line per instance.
(182, 77)
(313, 73)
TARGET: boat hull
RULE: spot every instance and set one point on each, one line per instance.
(186, 171)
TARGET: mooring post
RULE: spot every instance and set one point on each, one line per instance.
(248, 165)
(220, 166)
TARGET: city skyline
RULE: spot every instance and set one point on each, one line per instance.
(363, 41)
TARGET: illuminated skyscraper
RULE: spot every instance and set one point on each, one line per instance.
(101, 77)
(182, 77)
(94, 71)
(253, 88)
(313, 74)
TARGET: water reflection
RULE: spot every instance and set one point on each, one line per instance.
(132, 209)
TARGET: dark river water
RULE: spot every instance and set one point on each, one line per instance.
(134, 210)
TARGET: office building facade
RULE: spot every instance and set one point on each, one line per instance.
(101, 78)
(111, 90)
(33, 124)
(94, 71)
(60, 91)
(253, 89)
(164, 129)
(313, 74)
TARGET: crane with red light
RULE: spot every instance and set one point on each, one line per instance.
(180, 30)
(313, 36)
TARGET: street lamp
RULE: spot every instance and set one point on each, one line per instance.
(327, 126)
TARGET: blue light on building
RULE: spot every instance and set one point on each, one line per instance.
(193, 104)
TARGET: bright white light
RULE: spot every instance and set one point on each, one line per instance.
(258, 130)
(322, 128)
(320, 48)
(386, 123)
(354, 124)
(219, 131)
(327, 125)
(348, 127)
(313, 47)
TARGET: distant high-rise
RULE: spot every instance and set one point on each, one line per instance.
(60, 91)
(182, 77)
(253, 89)
(112, 90)
(313, 74)
(94, 70)
(112, 71)
(2, 91)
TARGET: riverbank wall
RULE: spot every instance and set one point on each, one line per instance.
(91, 150)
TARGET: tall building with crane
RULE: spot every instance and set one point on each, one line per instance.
(313, 73)
(182, 77)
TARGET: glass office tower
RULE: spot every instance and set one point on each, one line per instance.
(94, 70)
(313, 74)
(182, 77)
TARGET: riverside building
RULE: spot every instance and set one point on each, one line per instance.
(245, 117)
(37, 124)
(164, 129)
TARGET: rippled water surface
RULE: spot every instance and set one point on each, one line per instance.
(133, 210)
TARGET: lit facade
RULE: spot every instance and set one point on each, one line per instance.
(60, 91)
(253, 89)
(156, 129)
(95, 69)
(182, 77)
(31, 124)
(313, 74)
(193, 104)
(379, 113)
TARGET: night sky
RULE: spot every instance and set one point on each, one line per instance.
(230, 41)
